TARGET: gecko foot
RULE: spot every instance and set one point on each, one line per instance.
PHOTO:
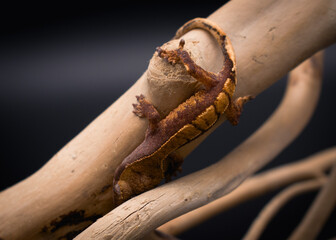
(235, 109)
(138, 108)
(173, 164)
(179, 55)
(145, 109)
(172, 56)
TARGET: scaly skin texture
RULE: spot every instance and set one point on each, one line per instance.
(155, 158)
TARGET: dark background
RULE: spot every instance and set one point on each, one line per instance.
(61, 66)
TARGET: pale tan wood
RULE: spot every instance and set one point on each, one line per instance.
(268, 212)
(265, 182)
(77, 180)
(318, 213)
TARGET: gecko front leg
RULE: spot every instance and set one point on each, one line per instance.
(208, 79)
(235, 108)
(145, 109)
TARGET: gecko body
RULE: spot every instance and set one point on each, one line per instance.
(155, 158)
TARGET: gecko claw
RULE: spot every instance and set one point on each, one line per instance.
(181, 44)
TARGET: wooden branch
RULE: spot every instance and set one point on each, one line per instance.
(266, 215)
(319, 212)
(309, 71)
(141, 214)
(74, 187)
(310, 167)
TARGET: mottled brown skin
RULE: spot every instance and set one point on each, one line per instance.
(155, 158)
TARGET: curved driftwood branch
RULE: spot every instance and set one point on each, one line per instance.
(74, 187)
(277, 202)
(319, 212)
(141, 214)
(310, 167)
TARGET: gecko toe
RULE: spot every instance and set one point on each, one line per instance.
(138, 110)
(138, 113)
(181, 44)
(160, 51)
(140, 98)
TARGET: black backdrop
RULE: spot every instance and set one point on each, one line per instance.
(61, 66)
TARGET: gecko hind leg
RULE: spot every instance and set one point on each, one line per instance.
(145, 109)
(235, 109)
(171, 165)
(208, 79)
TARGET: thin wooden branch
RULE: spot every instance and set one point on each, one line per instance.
(135, 218)
(319, 212)
(310, 167)
(76, 183)
(268, 212)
